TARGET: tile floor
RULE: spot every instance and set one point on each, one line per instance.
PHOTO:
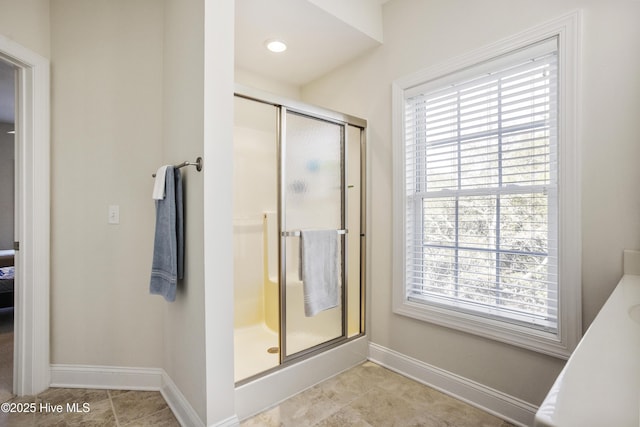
(367, 395)
(111, 408)
(370, 395)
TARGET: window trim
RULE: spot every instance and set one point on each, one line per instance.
(561, 344)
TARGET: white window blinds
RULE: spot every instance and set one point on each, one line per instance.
(481, 189)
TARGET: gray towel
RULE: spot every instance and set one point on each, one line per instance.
(320, 267)
(168, 247)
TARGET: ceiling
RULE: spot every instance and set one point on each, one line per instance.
(7, 92)
(317, 40)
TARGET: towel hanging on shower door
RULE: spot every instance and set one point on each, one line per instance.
(320, 268)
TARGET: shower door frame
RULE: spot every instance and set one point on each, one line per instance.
(284, 105)
(284, 111)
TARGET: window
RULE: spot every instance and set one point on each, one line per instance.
(481, 192)
(478, 213)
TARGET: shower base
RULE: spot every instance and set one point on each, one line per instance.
(256, 348)
(264, 392)
(252, 356)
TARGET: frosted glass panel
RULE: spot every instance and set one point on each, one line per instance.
(313, 200)
(313, 173)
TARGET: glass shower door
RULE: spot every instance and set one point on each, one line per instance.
(255, 238)
(313, 198)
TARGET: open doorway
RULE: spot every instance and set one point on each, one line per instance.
(7, 226)
(30, 234)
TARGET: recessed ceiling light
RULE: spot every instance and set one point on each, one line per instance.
(276, 46)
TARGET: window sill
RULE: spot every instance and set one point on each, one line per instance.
(497, 330)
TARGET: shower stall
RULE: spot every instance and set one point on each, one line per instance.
(296, 168)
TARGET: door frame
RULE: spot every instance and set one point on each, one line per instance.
(32, 371)
(284, 231)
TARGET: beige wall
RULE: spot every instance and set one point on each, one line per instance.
(420, 33)
(365, 15)
(122, 105)
(252, 80)
(128, 94)
(106, 142)
(184, 357)
(27, 23)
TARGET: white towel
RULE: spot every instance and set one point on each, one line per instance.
(320, 267)
(158, 185)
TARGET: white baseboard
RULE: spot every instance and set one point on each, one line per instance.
(495, 402)
(106, 377)
(184, 412)
(123, 378)
(229, 422)
(490, 400)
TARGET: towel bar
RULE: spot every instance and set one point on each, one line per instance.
(197, 164)
(296, 233)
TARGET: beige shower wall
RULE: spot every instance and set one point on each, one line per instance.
(422, 33)
(255, 186)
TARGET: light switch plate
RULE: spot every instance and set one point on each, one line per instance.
(114, 214)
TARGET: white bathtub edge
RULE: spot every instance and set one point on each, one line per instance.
(606, 359)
